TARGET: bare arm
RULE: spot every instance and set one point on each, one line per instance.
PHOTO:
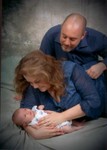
(73, 113)
(43, 132)
(96, 70)
(56, 118)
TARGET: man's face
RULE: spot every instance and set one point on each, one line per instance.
(70, 37)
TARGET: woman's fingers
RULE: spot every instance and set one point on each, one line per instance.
(46, 123)
(43, 121)
(48, 111)
(58, 132)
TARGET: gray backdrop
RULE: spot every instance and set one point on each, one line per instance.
(24, 24)
(26, 21)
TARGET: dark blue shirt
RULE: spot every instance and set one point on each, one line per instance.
(92, 45)
(80, 89)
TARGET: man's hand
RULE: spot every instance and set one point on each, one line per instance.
(96, 70)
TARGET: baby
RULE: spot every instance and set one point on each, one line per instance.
(24, 116)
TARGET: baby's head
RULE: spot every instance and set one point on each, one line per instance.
(22, 117)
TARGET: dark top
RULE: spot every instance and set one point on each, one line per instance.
(93, 44)
(80, 89)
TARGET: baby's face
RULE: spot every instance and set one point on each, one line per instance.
(27, 115)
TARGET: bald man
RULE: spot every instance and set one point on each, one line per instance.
(74, 41)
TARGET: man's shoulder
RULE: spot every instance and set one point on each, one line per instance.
(55, 29)
(92, 31)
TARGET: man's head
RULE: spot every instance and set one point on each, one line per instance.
(72, 31)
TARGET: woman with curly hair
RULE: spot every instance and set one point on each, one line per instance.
(60, 86)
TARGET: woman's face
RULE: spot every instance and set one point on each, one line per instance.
(38, 83)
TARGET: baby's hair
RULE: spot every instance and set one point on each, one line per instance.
(15, 119)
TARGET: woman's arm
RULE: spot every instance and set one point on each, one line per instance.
(30, 98)
(56, 118)
(43, 132)
(91, 102)
(73, 113)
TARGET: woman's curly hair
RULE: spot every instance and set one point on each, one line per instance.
(38, 65)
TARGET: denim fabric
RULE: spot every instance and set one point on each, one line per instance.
(80, 89)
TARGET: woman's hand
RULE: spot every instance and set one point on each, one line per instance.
(17, 97)
(53, 118)
(43, 132)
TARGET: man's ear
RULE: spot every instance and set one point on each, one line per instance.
(84, 34)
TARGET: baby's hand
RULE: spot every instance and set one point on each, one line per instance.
(41, 107)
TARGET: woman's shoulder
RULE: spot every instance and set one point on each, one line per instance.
(71, 68)
(68, 67)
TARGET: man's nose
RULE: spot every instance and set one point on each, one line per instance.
(67, 42)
